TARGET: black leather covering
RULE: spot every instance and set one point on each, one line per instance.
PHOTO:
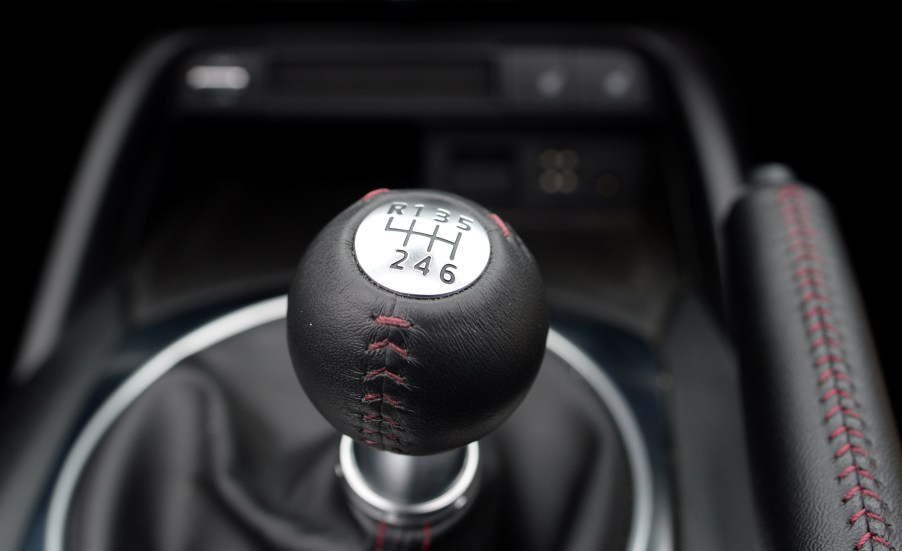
(457, 365)
(825, 451)
(225, 453)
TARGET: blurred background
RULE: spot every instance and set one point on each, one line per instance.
(808, 89)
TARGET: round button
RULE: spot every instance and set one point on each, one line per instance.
(424, 249)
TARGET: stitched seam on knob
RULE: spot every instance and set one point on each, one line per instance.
(374, 193)
(497, 219)
(381, 428)
(844, 424)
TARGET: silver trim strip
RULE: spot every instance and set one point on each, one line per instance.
(205, 336)
(636, 451)
(274, 309)
(79, 213)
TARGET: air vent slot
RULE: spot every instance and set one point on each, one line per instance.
(399, 80)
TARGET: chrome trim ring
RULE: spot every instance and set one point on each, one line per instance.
(636, 451)
(395, 512)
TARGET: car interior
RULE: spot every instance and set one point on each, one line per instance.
(412, 276)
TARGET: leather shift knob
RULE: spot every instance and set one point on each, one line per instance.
(416, 321)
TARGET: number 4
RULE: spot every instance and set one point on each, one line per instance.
(423, 265)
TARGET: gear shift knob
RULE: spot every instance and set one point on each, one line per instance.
(416, 321)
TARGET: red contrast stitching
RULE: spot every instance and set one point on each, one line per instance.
(845, 430)
(370, 398)
(383, 372)
(383, 434)
(853, 469)
(427, 537)
(869, 536)
(865, 513)
(371, 417)
(371, 432)
(388, 343)
(374, 193)
(859, 490)
(501, 224)
(392, 321)
(380, 536)
(844, 424)
(835, 374)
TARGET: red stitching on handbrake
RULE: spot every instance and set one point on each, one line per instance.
(806, 257)
(853, 469)
(859, 490)
(801, 243)
(829, 357)
(836, 392)
(801, 230)
(869, 536)
(812, 283)
(831, 374)
(808, 270)
(839, 409)
(821, 326)
(845, 430)
(821, 341)
(811, 296)
(847, 448)
(818, 311)
(865, 513)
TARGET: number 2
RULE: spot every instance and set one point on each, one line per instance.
(396, 265)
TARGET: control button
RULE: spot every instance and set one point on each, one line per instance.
(426, 249)
(536, 77)
(551, 82)
(599, 79)
(558, 171)
(612, 79)
(219, 79)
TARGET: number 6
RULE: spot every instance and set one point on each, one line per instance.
(446, 274)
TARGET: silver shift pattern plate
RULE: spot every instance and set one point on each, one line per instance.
(426, 249)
